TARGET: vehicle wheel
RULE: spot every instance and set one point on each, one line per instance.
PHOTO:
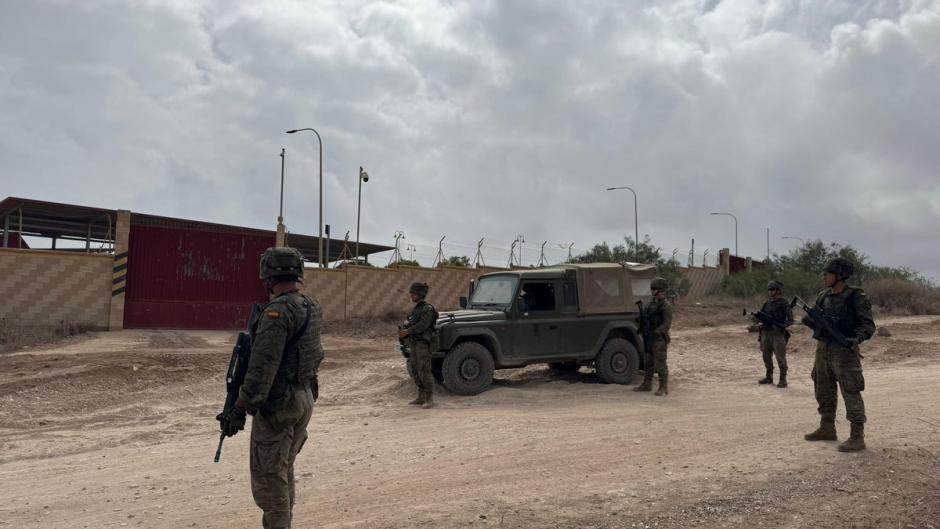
(437, 369)
(468, 369)
(564, 367)
(618, 362)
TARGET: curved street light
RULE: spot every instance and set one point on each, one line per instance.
(735, 229)
(320, 234)
(802, 242)
(636, 223)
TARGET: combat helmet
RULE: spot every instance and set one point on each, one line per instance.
(419, 289)
(841, 267)
(774, 285)
(659, 284)
(281, 263)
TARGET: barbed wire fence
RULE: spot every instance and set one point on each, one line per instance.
(492, 252)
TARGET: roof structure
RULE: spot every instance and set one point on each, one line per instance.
(37, 218)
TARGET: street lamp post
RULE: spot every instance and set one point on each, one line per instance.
(636, 223)
(802, 242)
(735, 230)
(320, 234)
(363, 177)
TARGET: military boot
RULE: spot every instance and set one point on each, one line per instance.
(663, 386)
(825, 432)
(428, 400)
(783, 379)
(768, 378)
(420, 400)
(647, 384)
(856, 440)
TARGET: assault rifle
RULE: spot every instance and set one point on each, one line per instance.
(237, 367)
(768, 321)
(644, 319)
(823, 323)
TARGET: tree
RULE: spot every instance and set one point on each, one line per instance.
(404, 262)
(457, 260)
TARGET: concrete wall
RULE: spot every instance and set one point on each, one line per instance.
(705, 281)
(362, 291)
(52, 288)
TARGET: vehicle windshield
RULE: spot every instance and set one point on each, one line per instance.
(495, 291)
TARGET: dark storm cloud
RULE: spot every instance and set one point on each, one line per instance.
(816, 119)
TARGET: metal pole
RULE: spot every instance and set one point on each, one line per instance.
(363, 176)
(636, 222)
(320, 233)
(735, 229)
(768, 245)
(327, 245)
(280, 211)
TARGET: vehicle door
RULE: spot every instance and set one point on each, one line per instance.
(578, 333)
(537, 323)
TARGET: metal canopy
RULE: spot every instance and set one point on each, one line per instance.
(54, 220)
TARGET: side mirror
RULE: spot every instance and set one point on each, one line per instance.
(463, 302)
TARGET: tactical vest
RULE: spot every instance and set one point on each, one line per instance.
(843, 306)
(301, 357)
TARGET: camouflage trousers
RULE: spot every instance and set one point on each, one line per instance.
(774, 344)
(419, 365)
(276, 439)
(842, 366)
(655, 357)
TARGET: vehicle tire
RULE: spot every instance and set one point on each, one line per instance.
(437, 369)
(468, 369)
(618, 362)
(564, 367)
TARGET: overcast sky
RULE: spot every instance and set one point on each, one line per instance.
(815, 118)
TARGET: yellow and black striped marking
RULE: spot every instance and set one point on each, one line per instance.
(119, 278)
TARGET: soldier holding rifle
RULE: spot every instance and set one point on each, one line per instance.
(772, 321)
(841, 320)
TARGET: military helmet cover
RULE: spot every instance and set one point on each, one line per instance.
(281, 262)
(420, 289)
(775, 285)
(659, 284)
(841, 267)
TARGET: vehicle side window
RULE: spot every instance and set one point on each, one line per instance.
(537, 296)
(569, 295)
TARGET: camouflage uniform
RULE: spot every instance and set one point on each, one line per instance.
(773, 340)
(420, 336)
(840, 365)
(660, 317)
(280, 387)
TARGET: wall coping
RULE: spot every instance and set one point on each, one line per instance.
(34, 251)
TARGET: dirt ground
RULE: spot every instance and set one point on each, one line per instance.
(117, 430)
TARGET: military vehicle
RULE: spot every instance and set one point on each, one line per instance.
(567, 316)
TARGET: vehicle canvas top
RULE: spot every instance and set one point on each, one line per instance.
(603, 288)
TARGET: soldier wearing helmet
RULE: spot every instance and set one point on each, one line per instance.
(659, 312)
(839, 366)
(419, 335)
(773, 338)
(280, 384)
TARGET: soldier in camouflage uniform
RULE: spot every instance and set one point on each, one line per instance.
(838, 366)
(418, 334)
(659, 312)
(773, 339)
(280, 384)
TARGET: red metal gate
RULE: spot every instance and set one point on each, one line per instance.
(191, 279)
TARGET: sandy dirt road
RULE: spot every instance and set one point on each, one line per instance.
(117, 430)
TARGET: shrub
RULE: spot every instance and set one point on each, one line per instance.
(903, 296)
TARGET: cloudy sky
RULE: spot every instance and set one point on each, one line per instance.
(815, 118)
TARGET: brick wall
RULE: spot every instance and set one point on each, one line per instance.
(42, 287)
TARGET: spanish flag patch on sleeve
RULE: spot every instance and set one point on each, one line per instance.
(273, 314)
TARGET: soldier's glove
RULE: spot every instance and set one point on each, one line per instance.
(808, 321)
(232, 421)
